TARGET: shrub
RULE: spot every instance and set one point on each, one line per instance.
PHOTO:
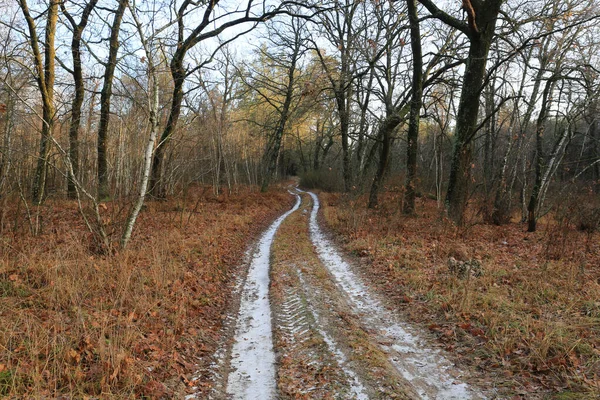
(324, 179)
(587, 217)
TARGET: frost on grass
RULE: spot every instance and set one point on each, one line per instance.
(429, 372)
(252, 374)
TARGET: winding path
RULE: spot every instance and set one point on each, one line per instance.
(321, 302)
(252, 364)
(430, 373)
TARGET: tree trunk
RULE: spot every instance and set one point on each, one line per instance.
(362, 140)
(45, 74)
(153, 104)
(412, 147)
(480, 28)
(594, 133)
(346, 157)
(501, 210)
(105, 95)
(6, 160)
(272, 151)
(157, 188)
(318, 141)
(594, 151)
(539, 161)
(385, 133)
(369, 160)
(488, 146)
(79, 94)
(466, 121)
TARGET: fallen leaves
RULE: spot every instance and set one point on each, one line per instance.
(78, 323)
(532, 316)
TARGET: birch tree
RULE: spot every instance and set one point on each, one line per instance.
(151, 61)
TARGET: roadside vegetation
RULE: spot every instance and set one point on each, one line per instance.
(525, 306)
(138, 322)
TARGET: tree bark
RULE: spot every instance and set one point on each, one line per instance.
(501, 209)
(45, 74)
(480, 30)
(341, 30)
(412, 147)
(6, 160)
(468, 110)
(157, 188)
(594, 134)
(539, 161)
(385, 133)
(153, 103)
(105, 95)
(344, 131)
(272, 151)
(79, 93)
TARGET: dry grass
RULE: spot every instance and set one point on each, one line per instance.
(532, 319)
(137, 323)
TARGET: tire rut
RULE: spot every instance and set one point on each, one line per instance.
(430, 374)
(314, 350)
(309, 328)
(252, 361)
(322, 352)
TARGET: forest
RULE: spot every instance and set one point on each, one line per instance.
(144, 145)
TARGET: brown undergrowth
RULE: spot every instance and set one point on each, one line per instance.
(138, 323)
(530, 322)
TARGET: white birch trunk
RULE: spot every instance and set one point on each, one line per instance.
(153, 106)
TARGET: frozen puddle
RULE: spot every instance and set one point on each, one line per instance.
(252, 368)
(428, 371)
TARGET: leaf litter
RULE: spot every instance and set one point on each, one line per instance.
(429, 372)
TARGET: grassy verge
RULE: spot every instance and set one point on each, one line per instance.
(532, 317)
(133, 324)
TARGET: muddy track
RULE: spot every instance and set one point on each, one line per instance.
(308, 327)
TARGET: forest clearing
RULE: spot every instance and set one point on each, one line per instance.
(305, 199)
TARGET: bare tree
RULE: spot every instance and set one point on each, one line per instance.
(277, 82)
(342, 26)
(214, 20)
(45, 75)
(479, 28)
(77, 29)
(105, 95)
(415, 108)
(153, 104)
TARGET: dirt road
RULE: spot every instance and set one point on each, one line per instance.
(308, 327)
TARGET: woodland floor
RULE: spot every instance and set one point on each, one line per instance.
(376, 315)
(528, 326)
(140, 323)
